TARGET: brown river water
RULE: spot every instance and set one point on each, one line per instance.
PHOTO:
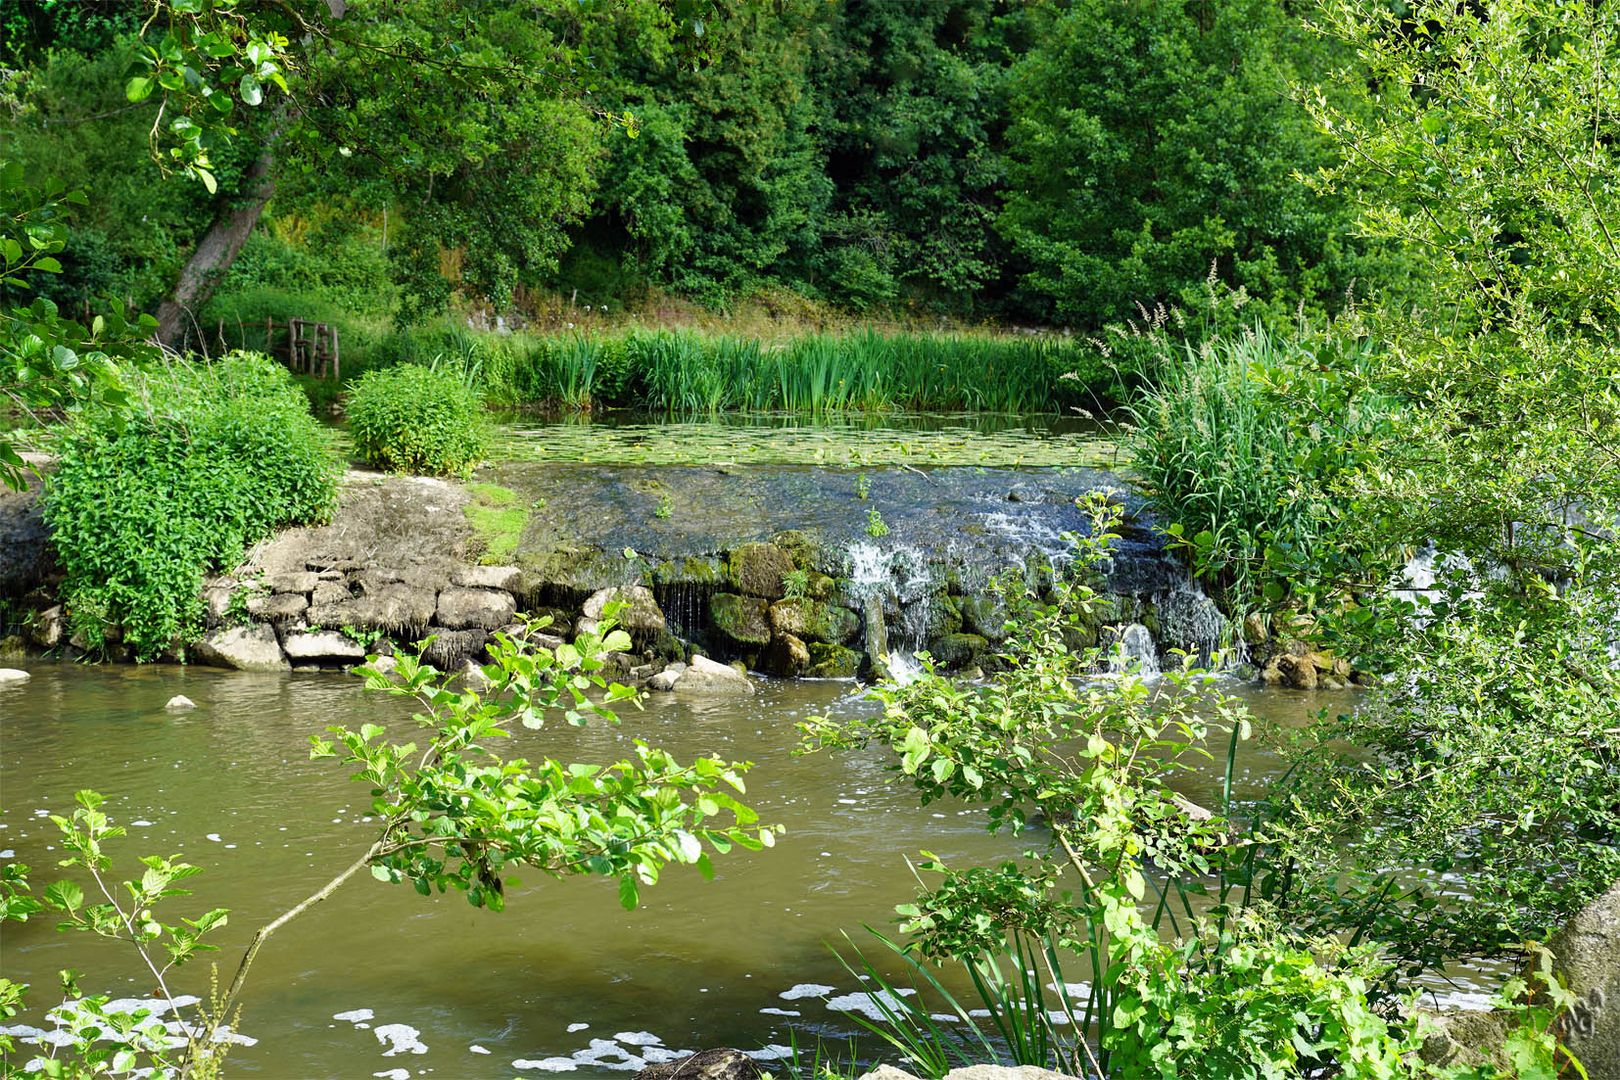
(563, 980)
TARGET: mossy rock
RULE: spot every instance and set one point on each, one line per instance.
(833, 661)
(814, 620)
(692, 570)
(756, 570)
(799, 547)
(956, 651)
(820, 586)
(741, 620)
(785, 657)
(985, 615)
(945, 616)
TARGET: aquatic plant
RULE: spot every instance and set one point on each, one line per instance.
(876, 527)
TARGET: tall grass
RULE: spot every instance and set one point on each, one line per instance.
(685, 372)
(1238, 442)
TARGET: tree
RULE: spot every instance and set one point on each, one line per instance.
(1149, 139)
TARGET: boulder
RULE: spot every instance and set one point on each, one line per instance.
(179, 703)
(985, 615)
(48, 627)
(832, 662)
(326, 648)
(1587, 950)
(450, 649)
(814, 620)
(741, 620)
(665, 680)
(958, 650)
(718, 1064)
(640, 615)
(280, 608)
(505, 578)
(297, 581)
(486, 609)
(10, 676)
(245, 648)
(705, 676)
(395, 609)
(756, 570)
(473, 679)
(800, 548)
(330, 592)
(13, 647)
(1255, 630)
(786, 656)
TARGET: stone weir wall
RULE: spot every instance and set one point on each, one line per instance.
(791, 571)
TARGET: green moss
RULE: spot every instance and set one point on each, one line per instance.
(741, 619)
(497, 520)
(832, 662)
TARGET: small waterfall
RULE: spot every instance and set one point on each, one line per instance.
(901, 578)
(685, 605)
(1191, 622)
(1134, 651)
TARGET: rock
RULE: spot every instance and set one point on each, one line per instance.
(280, 608)
(718, 1064)
(217, 601)
(958, 650)
(1255, 631)
(1291, 667)
(324, 647)
(814, 620)
(705, 676)
(245, 648)
(486, 609)
(642, 672)
(665, 680)
(474, 679)
(741, 620)
(396, 609)
(756, 570)
(986, 616)
(832, 662)
(800, 548)
(179, 703)
(1587, 952)
(47, 628)
(385, 665)
(330, 592)
(785, 657)
(640, 615)
(451, 649)
(505, 578)
(13, 676)
(297, 581)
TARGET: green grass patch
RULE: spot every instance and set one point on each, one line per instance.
(497, 517)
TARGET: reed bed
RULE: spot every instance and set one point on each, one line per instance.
(689, 373)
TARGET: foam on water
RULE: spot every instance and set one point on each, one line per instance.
(400, 1039)
(806, 990)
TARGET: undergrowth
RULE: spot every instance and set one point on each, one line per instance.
(417, 419)
(212, 458)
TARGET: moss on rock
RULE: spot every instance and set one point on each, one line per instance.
(814, 620)
(832, 661)
(756, 570)
(741, 620)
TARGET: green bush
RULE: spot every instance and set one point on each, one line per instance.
(211, 460)
(412, 418)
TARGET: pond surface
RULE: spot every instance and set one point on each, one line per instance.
(228, 786)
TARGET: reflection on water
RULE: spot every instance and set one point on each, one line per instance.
(378, 978)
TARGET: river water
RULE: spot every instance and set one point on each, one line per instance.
(433, 986)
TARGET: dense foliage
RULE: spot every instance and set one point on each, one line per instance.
(210, 459)
(417, 418)
(967, 157)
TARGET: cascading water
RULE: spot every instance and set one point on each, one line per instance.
(898, 578)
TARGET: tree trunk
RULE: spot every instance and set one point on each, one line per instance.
(216, 251)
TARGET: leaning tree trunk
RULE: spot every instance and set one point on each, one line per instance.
(216, 251)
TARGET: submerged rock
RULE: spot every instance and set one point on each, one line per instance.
(719, 1064)
(705, 676)
(13, 675)
(244, 648)
(179, 703)
(665, 680)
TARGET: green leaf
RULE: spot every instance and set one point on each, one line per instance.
(629, 895)
(138, 88)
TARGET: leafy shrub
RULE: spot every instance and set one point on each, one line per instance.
(412, 418)
(212, 458)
